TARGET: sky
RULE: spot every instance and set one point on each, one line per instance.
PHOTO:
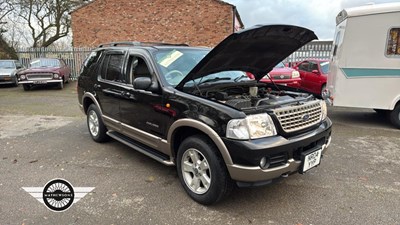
(317, 15)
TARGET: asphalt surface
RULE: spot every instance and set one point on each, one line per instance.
(43, 135)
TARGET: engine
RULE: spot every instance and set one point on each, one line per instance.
(249, 97)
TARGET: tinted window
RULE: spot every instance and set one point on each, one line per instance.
(112, 69)
(89, 64)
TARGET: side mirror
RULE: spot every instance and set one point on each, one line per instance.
(315, 71)
(142, 83)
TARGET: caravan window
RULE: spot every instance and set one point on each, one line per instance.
(393, 43)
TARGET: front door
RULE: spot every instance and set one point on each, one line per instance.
(143, 113)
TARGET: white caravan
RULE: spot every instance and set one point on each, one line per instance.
(365, 63)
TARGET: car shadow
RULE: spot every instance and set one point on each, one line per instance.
(359, 117)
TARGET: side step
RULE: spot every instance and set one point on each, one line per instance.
(152, 153)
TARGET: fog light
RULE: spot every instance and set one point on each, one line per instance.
(264, 163)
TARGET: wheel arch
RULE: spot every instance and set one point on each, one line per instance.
(87, 100)
(396, 101)
(184, 128)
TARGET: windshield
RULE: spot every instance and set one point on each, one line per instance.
(280, 65)
(175, 64)
(36, 63)
(7, 65)
(324, 67)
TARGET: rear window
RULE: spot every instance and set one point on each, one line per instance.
(393, 43)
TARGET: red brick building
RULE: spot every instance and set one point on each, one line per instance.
(194, 22)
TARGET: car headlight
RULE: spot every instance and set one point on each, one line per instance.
(295, 74)
(55, 76)
(324, 110)
(22, 77)
(251, 127)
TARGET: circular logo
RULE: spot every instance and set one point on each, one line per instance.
(58, 195)
(306, 117)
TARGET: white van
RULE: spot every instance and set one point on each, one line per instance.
(365, 61)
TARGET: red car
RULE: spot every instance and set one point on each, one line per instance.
(282, 75)
(45, 71)
(313, 73)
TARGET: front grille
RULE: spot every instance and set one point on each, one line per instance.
(281, 76)
(295, 118)
(39, 76)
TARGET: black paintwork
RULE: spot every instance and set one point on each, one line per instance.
(156, 110)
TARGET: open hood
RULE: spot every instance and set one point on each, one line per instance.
(256, 50)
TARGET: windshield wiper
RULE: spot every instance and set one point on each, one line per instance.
(240, 77)
(214, 79)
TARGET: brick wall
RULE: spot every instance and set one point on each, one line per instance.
(194, 22)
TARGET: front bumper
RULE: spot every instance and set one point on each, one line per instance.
(7, 80)
(40, 82)
(246, 155)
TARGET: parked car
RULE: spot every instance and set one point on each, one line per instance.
(195, 108)
(9, 70)
(314, 74)
(282, 75)
(45, 71)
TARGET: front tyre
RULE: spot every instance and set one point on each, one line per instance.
(202, 171)
(97, 129)
(394, 116)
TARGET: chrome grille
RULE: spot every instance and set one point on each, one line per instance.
(39, 76)
(295, 118)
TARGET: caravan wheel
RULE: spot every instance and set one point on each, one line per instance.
(395, 116)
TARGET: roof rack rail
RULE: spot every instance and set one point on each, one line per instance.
(137, 43)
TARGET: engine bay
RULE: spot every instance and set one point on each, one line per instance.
(243, 97)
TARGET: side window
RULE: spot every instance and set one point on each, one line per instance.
(313, 66)
(18, 65)
(304, 66)
(112, 68)
(393, 42)
(89, 64)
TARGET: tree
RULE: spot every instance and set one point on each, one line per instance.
(47, 20)
(6, 7)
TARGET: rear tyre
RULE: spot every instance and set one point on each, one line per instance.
(27, 87)
(97, 129)
(202, 171)
(394, 116)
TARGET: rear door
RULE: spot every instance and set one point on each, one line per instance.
(110, 86)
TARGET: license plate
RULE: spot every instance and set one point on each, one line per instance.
(40, 82)
(311, 160)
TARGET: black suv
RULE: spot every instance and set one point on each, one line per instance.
(196, 108)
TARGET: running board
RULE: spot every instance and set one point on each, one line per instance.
(154, 154)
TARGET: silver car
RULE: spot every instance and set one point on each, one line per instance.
(8, 71)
